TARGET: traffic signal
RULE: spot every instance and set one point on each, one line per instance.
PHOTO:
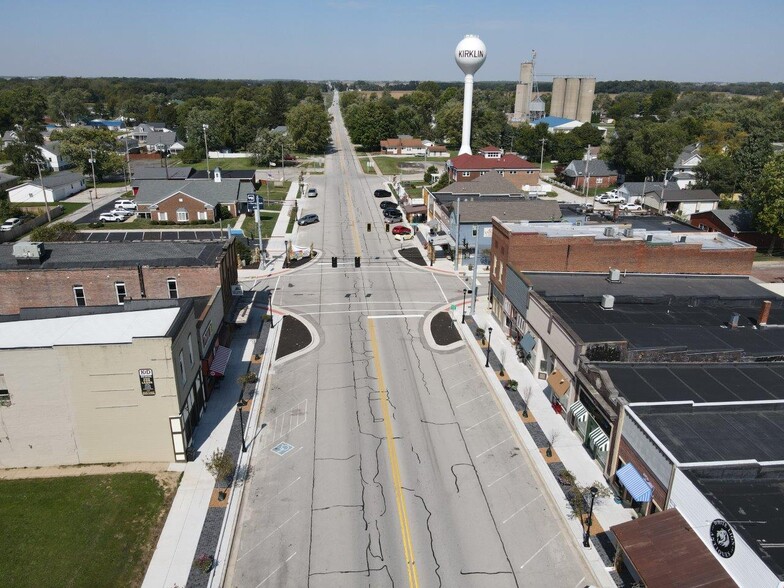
(356, 262)
(369, 227)
(334, 262)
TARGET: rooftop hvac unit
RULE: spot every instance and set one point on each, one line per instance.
(28, 250)
(615, 275)
(649, 238)
(682, 239)
(628, 232)
(608, 301)
(609, 231)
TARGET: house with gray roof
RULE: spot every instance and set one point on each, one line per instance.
(734, 223)
(155, 138)
(56, 186)
(596, 173)
(683, 203)
(684, 171)
(7, 180)
(191, 200)
(54, 158)
(9, 137)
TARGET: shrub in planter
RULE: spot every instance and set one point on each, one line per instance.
(221, 465)
(204, 563)
(249, 378)
(155, 222)
(480, 332)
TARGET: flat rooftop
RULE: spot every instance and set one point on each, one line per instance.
(751, 498)
(675, 327)
(704, 239)
(95, 329)
(750, 431)
(697, 382)
(68, 255)
(577, 287)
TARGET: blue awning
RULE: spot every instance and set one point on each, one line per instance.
(637, 486)
(527, 343)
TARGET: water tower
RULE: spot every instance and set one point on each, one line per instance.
(470, 55)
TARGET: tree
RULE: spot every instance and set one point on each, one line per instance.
(766, 202)
(68, 106)
(369, 122)
(76, 144)
(449, 122)
(718, 173)
(308, 125)
(660, 103)
(644, 148)
(750, 158)
(245, 120)
(269, 146)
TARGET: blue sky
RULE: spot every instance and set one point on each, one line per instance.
(688, 40)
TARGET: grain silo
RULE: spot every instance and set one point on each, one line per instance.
(523, 91)
(585, 99)
(559, 94)
(570, 100)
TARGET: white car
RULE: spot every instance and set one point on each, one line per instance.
(610, 199)
(10, 224)
(125, 204)
(110, 217)
(631, 207)
(123, 213)
(312, 193)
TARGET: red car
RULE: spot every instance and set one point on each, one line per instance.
(401, 230)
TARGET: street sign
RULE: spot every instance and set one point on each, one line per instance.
(251, 202)
(453, 307)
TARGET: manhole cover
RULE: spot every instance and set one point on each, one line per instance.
(282, 448)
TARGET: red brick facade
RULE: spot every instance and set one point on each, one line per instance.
(538, 252)
(520, 178)
(593, 181)
(35, 288)
(167, 210)
(627, 454)
(708, 222)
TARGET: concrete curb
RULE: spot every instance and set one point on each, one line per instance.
(223, 552)
(553, 491)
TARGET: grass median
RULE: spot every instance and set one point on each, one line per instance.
(81, 531)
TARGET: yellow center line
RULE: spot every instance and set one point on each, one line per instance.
(349, 201)
(400, 499)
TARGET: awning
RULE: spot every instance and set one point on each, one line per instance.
(637, 486)
(414, 208)
(527, 343)
(599, 440)
(558, 383)
(220, 360)
(579, 411)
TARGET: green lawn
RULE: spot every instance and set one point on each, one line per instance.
(268, 219)
(110, 184)
(68, 207)
(80, 531)
(275, 192)
(235, 163)
(363, 162)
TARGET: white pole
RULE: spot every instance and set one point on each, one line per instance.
(206, 149)
(457, 236)
(468, 100)
(95, 188)
(39, 164)
(476, 264)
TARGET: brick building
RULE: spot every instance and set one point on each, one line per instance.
(562, 247)
(95, 274)
(733, 223)
(597, 175)
(492, 160)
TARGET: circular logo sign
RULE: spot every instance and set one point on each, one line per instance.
(722, 538)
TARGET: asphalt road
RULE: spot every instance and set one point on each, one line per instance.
(401, 469)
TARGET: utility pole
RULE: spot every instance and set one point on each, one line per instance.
(476, 264)
(541, 155)
(662, 205)
(39, 165)
(95, 188)
(282, 161)
(206, 149)
(128, 165)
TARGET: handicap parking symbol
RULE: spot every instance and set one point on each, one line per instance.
(282, 448)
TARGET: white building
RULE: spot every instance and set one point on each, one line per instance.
(51, 153)
(57, 186)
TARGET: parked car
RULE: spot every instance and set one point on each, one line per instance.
(610, 198)
(388, 205)
(392, 212)
(10, 223)
(393, 219)
(402, 230)
(312, 193)
(110, 217)
(308, 219)
(631, 207)
(123, 213)
(125, 204)
(382, 193)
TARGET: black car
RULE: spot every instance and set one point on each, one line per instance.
(392, 213)
(382, 193)
(388, 205)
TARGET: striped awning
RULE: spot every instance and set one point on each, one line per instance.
(637, 486)
(599, 440)
(578, 410)
(220, 360)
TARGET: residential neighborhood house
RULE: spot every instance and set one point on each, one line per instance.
(596, 174)
(56, 186)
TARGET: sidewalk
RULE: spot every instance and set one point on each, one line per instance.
(172, 560)
(544, 423)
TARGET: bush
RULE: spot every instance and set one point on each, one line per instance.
(59, 232)
(221, 465)
(155, 222)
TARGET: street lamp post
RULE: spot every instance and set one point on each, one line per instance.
(587, 536)
(206, 149)
(240, 404)
(489, 334)
(465, 291)
(432, 253)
